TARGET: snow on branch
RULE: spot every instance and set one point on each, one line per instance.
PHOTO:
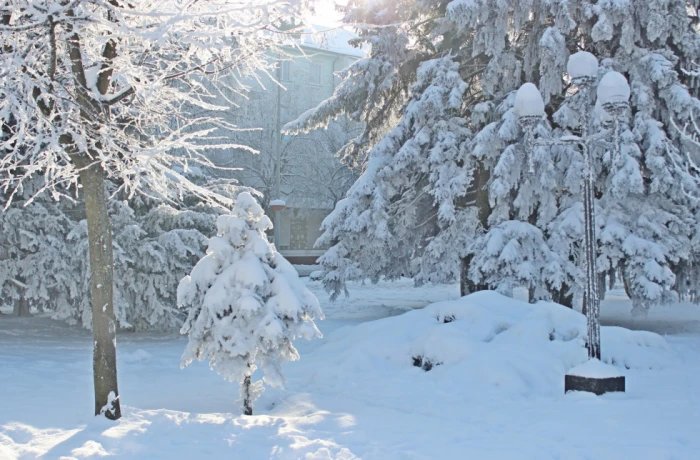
(122, 84)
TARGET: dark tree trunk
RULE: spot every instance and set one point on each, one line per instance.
(480, 195)
(466, 285)
(92, 179)
(104, 361)
(612, 278)
(531, 295)
(247, 403)
(22, 308)
(602, 286)
(566, 296)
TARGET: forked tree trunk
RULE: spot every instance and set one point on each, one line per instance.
(247, 403)
(92, 179)
(104, 360)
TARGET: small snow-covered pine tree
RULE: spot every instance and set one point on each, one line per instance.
(247, 303)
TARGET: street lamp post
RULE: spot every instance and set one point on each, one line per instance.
(613, 95)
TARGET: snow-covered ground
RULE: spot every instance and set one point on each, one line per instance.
(497, 392)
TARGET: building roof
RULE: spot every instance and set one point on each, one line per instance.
(332, 40)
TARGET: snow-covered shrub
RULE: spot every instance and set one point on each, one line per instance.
(247, 303)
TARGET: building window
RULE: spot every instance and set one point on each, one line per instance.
(314, 73)
(285, 70)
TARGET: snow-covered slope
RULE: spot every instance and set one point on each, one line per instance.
(482, 344)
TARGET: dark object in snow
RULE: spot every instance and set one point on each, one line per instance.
(447, 319)
(595, 385)
(424, 364)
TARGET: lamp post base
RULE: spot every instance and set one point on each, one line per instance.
(594, 376)
(595, 385)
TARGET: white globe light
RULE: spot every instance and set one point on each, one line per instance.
(613, 88)
(582, 64)
(528, 101)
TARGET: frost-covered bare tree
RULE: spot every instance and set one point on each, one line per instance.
(96, 90)
(310, 172)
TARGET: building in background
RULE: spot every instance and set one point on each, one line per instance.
(301, 170)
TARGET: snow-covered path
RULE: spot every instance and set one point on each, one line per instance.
(332, 407)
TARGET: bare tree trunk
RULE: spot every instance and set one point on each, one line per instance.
(22, 308)
(612, 278)
(92, 179)
(464, 276)
(481, 201)
(602, 286)
(563, 296)
(104, 361)
(531, 295)
(247, 404)
(467, 286)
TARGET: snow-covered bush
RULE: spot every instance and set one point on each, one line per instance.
(247, 303)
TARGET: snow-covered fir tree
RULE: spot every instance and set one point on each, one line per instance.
(44, 260)
(247, 303)
(154, 246)
(494, 47)
(35, 271)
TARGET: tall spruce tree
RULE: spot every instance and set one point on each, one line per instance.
(447, 177)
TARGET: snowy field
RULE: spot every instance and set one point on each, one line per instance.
(495, 389)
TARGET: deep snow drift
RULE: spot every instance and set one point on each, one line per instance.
(478, 377)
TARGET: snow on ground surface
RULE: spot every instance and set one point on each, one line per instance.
(495, 388)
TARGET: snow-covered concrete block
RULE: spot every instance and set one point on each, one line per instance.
(594, 376)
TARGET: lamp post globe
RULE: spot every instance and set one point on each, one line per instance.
(582, 66)
(613, 89)
(529, 102)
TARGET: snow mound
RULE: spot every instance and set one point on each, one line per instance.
(480, 343)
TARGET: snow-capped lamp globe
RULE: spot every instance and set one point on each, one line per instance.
(529, 102)
(614, 93)
(529, 108)
(582, 67)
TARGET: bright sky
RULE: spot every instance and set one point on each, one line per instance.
(326, 15)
